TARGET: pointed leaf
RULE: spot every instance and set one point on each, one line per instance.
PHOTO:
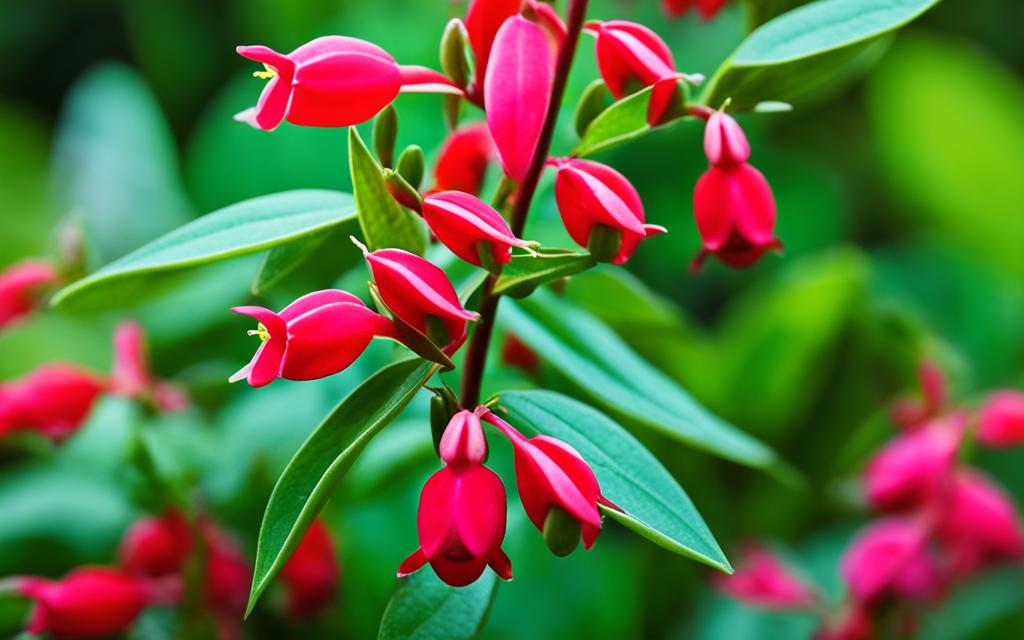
(625, 120)
(324, 459)
(525, 272)
(652, 502)
(283, 260)
(424, 608)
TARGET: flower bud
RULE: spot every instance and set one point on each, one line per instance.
(453, 52)
(385, 132)
(735, 212)
(464, 158)
(765, 580)
(483, 19)
(316, 336)
(725, 144)
(410, 165)
(590, 194)
(463, 443)
(54, 400)
(890, 558)
(90, 602)
(980, 518)
(1001, 420)
(403, 192)
(20, 286)
(467, 226)
(311, 574)
(913, 468)
(157, 547)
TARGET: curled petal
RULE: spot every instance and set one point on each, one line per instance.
(460, 221)
(416, 79)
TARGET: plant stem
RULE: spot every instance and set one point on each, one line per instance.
(479, 344)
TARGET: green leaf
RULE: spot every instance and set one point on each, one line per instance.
(623, 121)
(804, 47)
(525, 272)
(384, 222)
(323, 460)
(424, 608)
(597, 360)
(283, 260)
(594, 100)
(243, 228)
(654, 504)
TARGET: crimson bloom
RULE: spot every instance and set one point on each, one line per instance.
(332, 81)
(464, 159)
(766, 580)
(980, 520)
(557, 487)
(1001, 420)
(311, 574)
(157, 547)
(316, 336)
(592, 195)
(462, 514)
(20, 285)
(890, 558)
(420, 295)
(707, 8)
(228, 572)
(732, 202)
(913, 468)
(483, 20)
(90, 602)
(54, 400)
(132, 377)
(466, 225)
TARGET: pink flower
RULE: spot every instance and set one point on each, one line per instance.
(311, 573)
(890, 558)
(707, 8)
(132, 377)
(332, 81)
(461, 520)
(420, 295)
(767, 581)
(90, 602)
(464, 159)
(911, 412)
(228, 572)
(554, 481)
(913, 468)
(20, 285)
(483, 20)
(462, 222)
(590, 194)
(157, 547)
(517, 90)
(54, 400)
(980, 520)
(1001, 421)
(316, 336)
(733, 204)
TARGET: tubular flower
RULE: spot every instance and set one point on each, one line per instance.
(316, 336)
(332, 81)
(707, 8)
(767, 581)
(91, 602)
(890, 558)
(592, 195)
(464, 158)
(20, 285)
(1001, 421)
(461, 519)
(157, 547)
(420, 295)
(311, 573)
(913, 468)
(132, 377)
(979, 520)
(732, 202)
(54, 400)
(462, 222)
(558, 489)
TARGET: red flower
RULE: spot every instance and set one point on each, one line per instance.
(464, 159)
(483, 19)
(707, 8)
(913, 468)
(316, 336)
(418, 293)
(1001, 421)
(767, 581)
(90, 602)
(590, 194)
(515, 353)
(20, 285)
(461, 222)
(980, 521)
(55, 400)
(332, 81)
(890, 558)
(461, 520)
(311, 573)
(132, 377)
(157, 547)
(228, 572)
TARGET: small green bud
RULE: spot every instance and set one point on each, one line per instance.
(454, 62)
(385, 132)
(561, 532)
(451, 105)
(604, 242)
(485, 251)
(402, 191)
(594, 100)
(411, 165)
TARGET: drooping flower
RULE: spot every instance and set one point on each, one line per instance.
(463, 222)
(979, 520)
(90, 602)
(464, 159)
(332, 81)
(420, 295)
(316, 336)
(462, 511)
(20, 285)
(558, 489)
(311, 573)
(157, 547)
(707, 8)
(54, 400)
(914, 468)
(1001, 420)
(765, 580)
(592, 195)
(132, 377)
(890, 558)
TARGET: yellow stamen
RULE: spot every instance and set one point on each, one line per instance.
(267, 74)
(260, 331)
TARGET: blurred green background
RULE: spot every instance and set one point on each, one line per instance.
(900, 188)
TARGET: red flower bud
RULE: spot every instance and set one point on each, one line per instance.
(980, 519)
(590, 194)
(1001, 421)
(913, 468)
(461, 222)
(19, 286)
(311, 573)
(725, 144)
(90, 602)
(316, 336)
(332, 81)
(416, 291)
(157, 547)
(766, 580)
(464, 159)
(890, 558)
(132, 377)
(483, 19)
(55, 400)
(735, 212)
(707, 8)
(516, 353)
(228, 572)
(461, 520)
